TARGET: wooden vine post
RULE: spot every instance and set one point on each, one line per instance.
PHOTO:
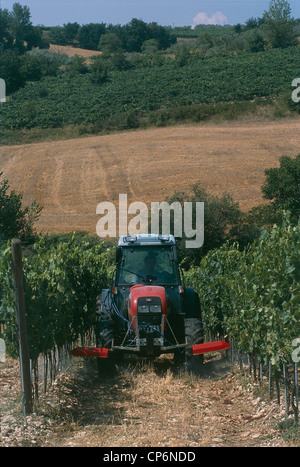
(17, 268)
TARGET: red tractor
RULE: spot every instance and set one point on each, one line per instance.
(148, 311)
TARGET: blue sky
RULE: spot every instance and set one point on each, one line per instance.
(164, 12)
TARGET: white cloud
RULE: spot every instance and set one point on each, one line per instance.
(216, 18)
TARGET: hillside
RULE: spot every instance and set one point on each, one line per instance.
(69, 178)
(150, 94)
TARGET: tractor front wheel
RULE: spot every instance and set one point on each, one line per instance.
(193, 335)
(104, 337)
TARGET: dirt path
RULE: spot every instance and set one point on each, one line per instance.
(157, 406)
(151, 405)
(70, 178)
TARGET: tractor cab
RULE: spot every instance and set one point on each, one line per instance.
(147, 259)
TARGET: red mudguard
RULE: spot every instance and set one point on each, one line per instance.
(90, 352)
(209, 347)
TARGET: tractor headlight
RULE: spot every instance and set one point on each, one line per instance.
(155, 308)
(143, 309)
(149, 305)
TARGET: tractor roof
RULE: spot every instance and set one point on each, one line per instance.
(146, 239)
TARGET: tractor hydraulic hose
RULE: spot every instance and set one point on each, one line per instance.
(114, 307)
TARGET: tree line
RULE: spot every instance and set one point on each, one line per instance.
(131, 37)
(132, 44)
(18, 33)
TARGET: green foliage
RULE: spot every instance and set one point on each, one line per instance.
(149, 88)
(61, 283)
(211, 29)
(110, 42)
(256, 42)
(16, 69)
(254, 296)
(34, 67)
(17, 31)
(89, 35)
(99, 71)
(279, 24)
(282, 185)
(77, 66)
(10, 71)
(16, 220)
(224, 221)
(182, 55)
(66, 35)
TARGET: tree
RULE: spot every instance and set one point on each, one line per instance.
(99, 70)
(134, 34)
(57, 35)
(251, 23)
(77, 65)
(21, 28)
(70, 32)
(163, 36)
(182, 55)
(150, 46)
(110, 42)
(256, 42)
(10, 70)
(279, 24)
(119, 62)
(16, 221)
(282, 185)
(6, 39)
(17, 31)
(223, 221)
(89, 35)
(237, 28)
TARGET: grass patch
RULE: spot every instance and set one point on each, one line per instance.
(290, 430)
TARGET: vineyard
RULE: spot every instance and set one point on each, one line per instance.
(61, 285)
(253, 296)
(132, 97)
(250, 296)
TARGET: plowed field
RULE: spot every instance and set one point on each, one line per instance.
(69, 178)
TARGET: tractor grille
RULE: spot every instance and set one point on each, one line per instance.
(149, 312)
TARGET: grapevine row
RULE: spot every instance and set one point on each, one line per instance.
(71, 100)
(253, 296)
(60, 284)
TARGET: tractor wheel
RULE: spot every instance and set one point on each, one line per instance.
(104, 337)
(193, 335)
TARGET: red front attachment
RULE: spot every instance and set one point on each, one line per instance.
(210, 347)
(90, 352)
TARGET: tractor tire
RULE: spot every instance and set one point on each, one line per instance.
(193, 335)
(104, 337)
